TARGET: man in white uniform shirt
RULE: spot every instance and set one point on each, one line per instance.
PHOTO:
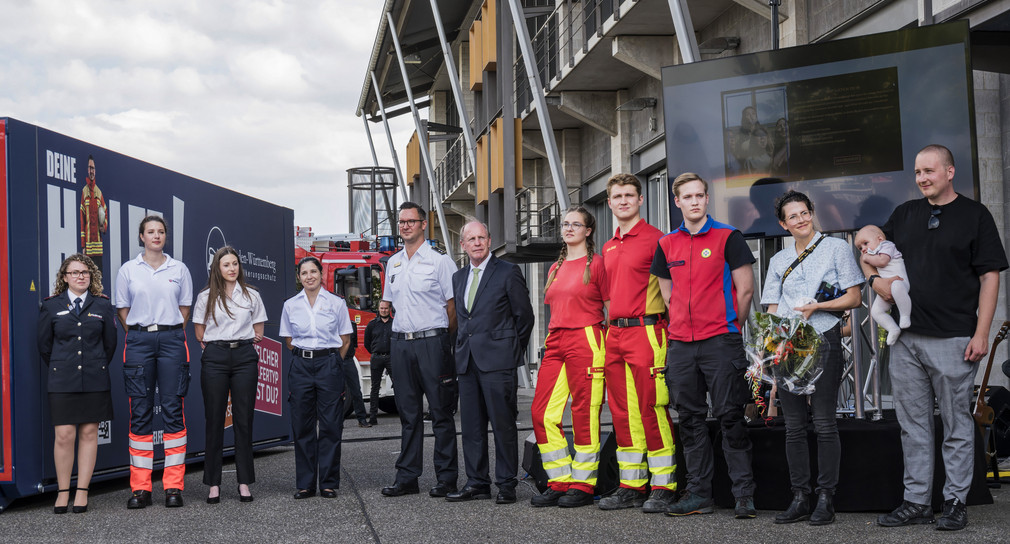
(419, 285)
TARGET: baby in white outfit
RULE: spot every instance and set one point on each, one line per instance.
(878, 252)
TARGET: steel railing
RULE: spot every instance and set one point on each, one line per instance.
(453, 169)
(558, 37)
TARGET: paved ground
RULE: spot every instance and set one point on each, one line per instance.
(361, 514)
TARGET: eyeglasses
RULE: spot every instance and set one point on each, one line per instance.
(805, 215)
(408, 222)
(574, 226)
(78, 274)
(934, 218)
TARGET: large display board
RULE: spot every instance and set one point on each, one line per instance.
(841, 121)
(47, 176)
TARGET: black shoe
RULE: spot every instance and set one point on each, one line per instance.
(304, 494)
(909, 513)
(364, 423)
(953, 518)
(328, 493)
(547, 498)
(398, 489)
(139, 499)
(798, 510)
(622, 498)
(62, 509)
(373, 421)
(744, 508)
(824, 512)
(442, 489)
(575, 498)
(173, 498)
(469, 493)
(244, 498)
(80, 509)
(506, 495)
(659, 501)
(691, 503)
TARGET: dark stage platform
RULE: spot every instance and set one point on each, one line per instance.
(871, 470)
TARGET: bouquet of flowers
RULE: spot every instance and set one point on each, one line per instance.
(785, 351)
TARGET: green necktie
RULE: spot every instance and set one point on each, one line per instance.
(473, 289)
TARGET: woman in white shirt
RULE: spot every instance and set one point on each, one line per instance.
(317, 328)
(228, 319)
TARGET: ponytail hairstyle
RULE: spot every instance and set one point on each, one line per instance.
(590, 222)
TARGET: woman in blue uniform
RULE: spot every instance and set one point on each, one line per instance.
(77, 339)
(153, 295)
(317, 328)
(228, 319)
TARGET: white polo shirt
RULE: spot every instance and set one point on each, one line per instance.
(154, 296)
(246, 310)
(315, 327)
(419, 288)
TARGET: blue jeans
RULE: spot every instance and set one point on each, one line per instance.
(823, 402)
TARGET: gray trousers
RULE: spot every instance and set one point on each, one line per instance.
(924, 367)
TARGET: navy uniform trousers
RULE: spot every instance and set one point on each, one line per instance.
(424, 366)
(314, 389)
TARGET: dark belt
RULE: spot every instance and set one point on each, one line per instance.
(155, 328)
(312, 354)
(419, 334)
(623, 322)
(231, 344)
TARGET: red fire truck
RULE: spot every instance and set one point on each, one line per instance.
(354, 267)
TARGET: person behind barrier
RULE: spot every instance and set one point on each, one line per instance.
(953, 256)
(495, 321)
(795, 275)
(419, 285)
(705, 276)
(77, 340)
(316, 327)
(636, 357)
(352, 382)
(154, 293)
(228, 318)
(378, 333)
(574, 353)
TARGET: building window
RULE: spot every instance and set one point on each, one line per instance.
(657, 201)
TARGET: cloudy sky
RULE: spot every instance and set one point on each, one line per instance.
(257, 96)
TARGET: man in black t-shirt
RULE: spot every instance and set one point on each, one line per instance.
(953, 255)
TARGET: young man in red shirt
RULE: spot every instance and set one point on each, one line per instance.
(705, 274)
(636, 357)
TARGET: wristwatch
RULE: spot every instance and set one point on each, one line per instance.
(869, 281)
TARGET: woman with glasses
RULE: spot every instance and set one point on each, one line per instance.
(795, 275)
(228, 319)
(572, 365)
(317, 329)
(77, 340)
(153, 295)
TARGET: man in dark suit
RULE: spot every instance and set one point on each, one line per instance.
(495, 320)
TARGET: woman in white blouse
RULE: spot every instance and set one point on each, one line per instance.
(228, 319)
(317, 327)
(795, 275)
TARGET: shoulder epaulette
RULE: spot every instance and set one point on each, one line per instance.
(439, 250)
(103, 295)
(51, 296)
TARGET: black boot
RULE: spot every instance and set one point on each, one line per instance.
(798, 510)
(824, 513)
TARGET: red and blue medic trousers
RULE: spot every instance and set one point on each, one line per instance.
(572, 365)
(156, 362)
(638, 397)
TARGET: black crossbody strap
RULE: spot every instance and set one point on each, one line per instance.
(802, 256)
